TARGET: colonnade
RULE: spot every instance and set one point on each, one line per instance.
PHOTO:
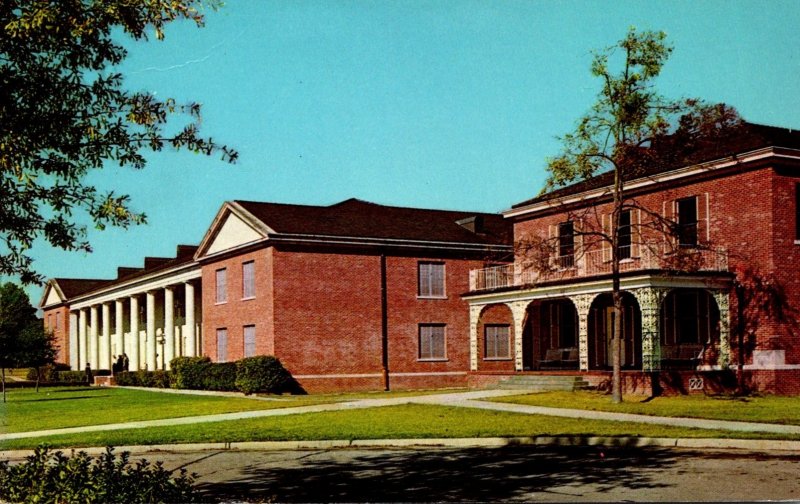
(146, 327)
(650, 301)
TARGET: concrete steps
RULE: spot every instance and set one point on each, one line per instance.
(544, 383)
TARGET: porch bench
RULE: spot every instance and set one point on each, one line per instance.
(681, 356)
(559, 358)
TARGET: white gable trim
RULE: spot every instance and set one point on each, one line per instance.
(52, 295)
(232, 228)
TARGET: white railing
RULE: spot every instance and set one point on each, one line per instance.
(598, 262)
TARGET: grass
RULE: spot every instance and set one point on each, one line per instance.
(767, 409)
(61, 407)
(394, 422)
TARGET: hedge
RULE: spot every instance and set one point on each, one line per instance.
(154, 379)
(72, 376)
(263, 373)
(220, 376)
(189, 372)
(49, 373)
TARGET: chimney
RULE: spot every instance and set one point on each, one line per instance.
(472, 224)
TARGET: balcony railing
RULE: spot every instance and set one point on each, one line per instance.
(598, 262)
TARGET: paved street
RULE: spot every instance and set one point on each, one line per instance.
(511, 473)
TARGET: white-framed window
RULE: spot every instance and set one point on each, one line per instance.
(430, 280)
(222, 344)
(249, 340)
(497, 342)
(432, 342)
(686, 211)
(624, 235)
(566, 244)
(221, 285)
(58, 321)
(248, 280)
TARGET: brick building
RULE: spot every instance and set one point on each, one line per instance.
(693, 230)
(349, 296)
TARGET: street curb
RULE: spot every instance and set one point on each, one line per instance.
(756, 445)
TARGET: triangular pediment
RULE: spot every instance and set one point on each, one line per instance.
(51, 296)
(231, 229)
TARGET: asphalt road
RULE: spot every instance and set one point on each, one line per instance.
(522, 473)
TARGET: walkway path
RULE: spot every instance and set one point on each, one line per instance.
(471, 399)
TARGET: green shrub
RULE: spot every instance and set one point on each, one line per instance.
(220, 376)
(47, 477)
(49, 373)
(72, 376)
(154, 379)
(189, 372)
(263, 373)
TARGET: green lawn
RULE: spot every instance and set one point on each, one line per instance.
(406, 421)
(769, 409)
(61, 407)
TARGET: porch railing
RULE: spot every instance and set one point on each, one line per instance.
(598, 262)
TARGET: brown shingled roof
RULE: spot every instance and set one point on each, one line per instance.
(748, 137)
(72, 287)
(354, 218)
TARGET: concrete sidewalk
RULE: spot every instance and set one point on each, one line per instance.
(470, 399)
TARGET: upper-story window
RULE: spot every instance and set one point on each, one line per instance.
(797, 212)
(221, 285)
(566, 244)
(431, 280)
(624, 235)
(248, 280)
(58, 321)
(687, 221)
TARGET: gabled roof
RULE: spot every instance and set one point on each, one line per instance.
(354, 219)
(748, 137)
(68, 288)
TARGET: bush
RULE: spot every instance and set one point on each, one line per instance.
(72, 376)
(49, 373)
(263, 373)
(54, 478)
(189, 372)
(220, 376)
(155, 379)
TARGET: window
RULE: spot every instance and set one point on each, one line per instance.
(797, 212)
(624, 235)
(497, 340)
(431, 342)
(248, 280)
(58, 321)
(566, 244)
(49, 325)
(249, 340)
(687, 222)
(222, 345)
(431, 280)
(222, 285)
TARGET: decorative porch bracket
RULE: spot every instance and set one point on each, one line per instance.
(650, 299)
(583, 303)
(723, 304)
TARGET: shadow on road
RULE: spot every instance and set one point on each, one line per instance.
(511, 473)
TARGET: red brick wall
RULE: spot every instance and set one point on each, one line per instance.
(495, 314)
(750, 213)
(236, 312)
(61, 332)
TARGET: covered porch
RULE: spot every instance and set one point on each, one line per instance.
(668, 323)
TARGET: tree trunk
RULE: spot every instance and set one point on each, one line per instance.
(616, 296)
(3, 371)
(38, 374)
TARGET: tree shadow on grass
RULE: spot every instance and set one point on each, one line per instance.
(509, 473)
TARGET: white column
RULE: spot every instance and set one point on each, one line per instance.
(133, 344)
(518, 310)
(105, 341)
(169, 325)
(723, 303)
(82, 353)
(583, 303)
(74, 360)
(474, 318)
(119, 327)
(94, 344)
(650, 299)
(191, 337)
(151, 331)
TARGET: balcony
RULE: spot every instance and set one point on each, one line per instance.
(598, 262)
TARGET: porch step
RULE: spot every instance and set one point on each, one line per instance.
(544, 383)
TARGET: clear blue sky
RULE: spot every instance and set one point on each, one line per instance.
(441, 104)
